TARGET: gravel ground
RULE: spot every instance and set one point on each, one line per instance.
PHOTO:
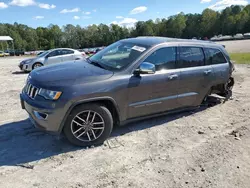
(237, 46)
(208, 147)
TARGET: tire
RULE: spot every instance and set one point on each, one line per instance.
(37, 65)
(75, 127)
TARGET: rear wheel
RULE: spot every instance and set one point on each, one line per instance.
(88, 125)
(37, 65)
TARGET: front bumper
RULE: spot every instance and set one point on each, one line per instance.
(25, 67)
(46, 119)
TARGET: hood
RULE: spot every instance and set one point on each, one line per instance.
(69, 72)
(29, 60)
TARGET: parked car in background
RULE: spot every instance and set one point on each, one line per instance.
(91, 51)
(50, 57)
(238, 36)
(247, 35)
(39, 53)
(82, 52)
(3, 54)
(99, 49)
(129, 80)
(86, 50)
(15, 52)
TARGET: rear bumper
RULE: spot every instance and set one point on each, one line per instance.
(48, 120)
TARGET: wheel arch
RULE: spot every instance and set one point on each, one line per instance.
(108, 102)
(36, 62)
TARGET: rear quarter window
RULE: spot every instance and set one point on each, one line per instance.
(214, 56)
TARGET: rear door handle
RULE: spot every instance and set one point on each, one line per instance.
(207, 72)
(173, 76)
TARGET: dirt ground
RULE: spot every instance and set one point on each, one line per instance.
(237, 46)
(207, 147)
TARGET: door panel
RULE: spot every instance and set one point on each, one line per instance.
(195, 76)
(139, 92)
(165, 89)
(53, 57)
(53, 60)
(155, 93)
(68, 57)
(194, 84)
(151, 94)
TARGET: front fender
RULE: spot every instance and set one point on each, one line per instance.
(96, 99)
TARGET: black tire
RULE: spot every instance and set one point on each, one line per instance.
(102, 111)
(37, 64)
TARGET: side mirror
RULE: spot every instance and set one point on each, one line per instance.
(145, 68)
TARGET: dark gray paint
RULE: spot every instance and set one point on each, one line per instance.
(133, 96)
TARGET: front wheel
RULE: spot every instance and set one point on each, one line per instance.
(36, 65)
(88, 125)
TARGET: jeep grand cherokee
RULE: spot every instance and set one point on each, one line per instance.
(129, 80)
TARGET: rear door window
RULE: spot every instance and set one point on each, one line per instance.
(67, 52)
(55, 53)
(191, 57)
(164, 58)
(214, 56)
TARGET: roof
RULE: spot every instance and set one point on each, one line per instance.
(152, 41)
(5, 38)
(61, 49)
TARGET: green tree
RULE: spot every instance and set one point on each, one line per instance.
(208, 22)
(176, 25)
(231, 20)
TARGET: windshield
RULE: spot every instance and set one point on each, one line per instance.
(118, 55)
(44, 53)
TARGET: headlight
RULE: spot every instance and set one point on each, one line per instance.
(28, 61)
(51, 95)
(25, 61)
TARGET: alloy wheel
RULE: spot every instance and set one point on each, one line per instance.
(87, 126)
(37, 66)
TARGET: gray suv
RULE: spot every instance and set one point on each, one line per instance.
(129, 80)
(50, 57)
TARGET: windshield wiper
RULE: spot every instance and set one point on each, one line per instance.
(96, 63)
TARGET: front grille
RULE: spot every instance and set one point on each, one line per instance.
(31, 90)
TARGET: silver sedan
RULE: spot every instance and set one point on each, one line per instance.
(51, 57)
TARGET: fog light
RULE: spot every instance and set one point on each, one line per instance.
(40, 115)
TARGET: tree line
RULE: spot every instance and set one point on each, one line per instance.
(230, 21)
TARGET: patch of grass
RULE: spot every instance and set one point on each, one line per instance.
(240, 58)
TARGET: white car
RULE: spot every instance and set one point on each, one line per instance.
(51, 57)
(2, 54)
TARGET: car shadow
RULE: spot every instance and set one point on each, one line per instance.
(152, 122)
(19, 72)
(21, 143)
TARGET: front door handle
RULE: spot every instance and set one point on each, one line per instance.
(173, 76)
(207, 72)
